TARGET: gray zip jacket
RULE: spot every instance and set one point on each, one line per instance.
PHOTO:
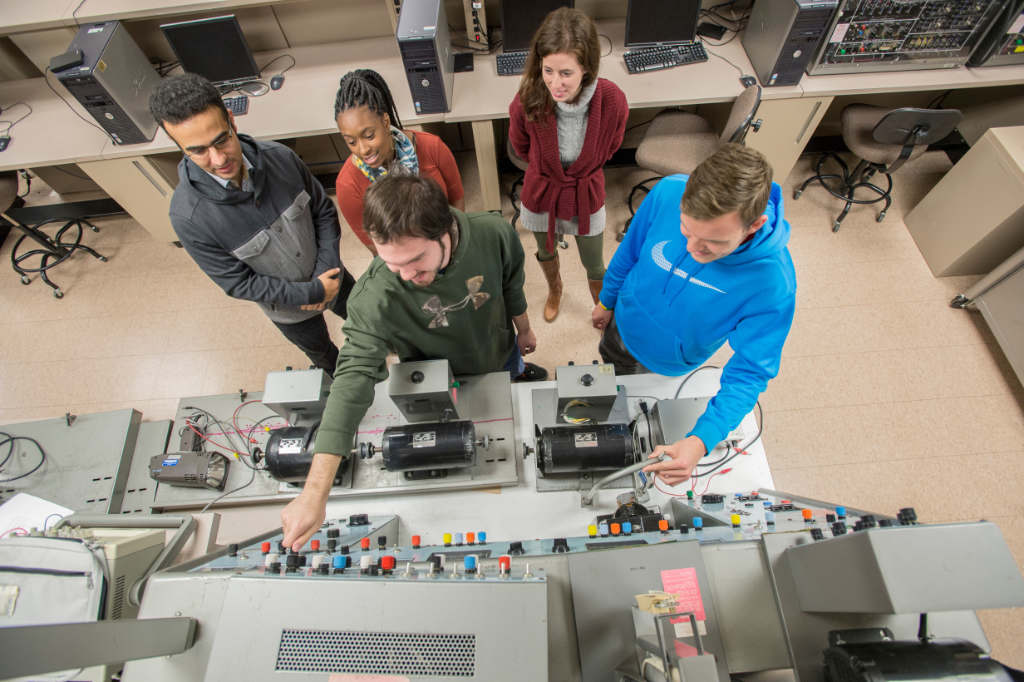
(268, 245)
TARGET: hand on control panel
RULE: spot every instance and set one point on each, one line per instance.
(301, 519)
(306, 513)
(685, 454)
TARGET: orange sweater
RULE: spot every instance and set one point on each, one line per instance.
(435, 160)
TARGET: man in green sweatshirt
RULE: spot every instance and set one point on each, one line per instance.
(446, 284)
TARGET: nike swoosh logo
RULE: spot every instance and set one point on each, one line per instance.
(658, 256)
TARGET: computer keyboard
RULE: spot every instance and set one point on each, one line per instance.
(511, 63)
(664, 57)
(238, 106)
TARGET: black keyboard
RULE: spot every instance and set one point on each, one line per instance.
(237, 105)
(664, 57)
(511, 63)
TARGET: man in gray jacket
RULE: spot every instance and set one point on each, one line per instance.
(253, 217)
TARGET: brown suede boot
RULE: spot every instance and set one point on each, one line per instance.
(550, 268)
(595, 289)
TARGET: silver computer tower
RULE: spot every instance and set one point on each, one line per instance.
(427, 55)
(782, 36)
(113, 82)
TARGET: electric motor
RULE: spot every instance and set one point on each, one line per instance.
(571, 449)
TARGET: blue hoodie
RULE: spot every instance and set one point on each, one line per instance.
(673, 313)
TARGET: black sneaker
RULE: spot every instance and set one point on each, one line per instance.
(532, 372)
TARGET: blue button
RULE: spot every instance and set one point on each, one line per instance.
(698, 523)
(769, 518)
(469, 562)
(481, 537)
(602, 528)
(341, 561)
(767, 504)
(627, 527)
(458, 539)
(739, 494)
(841, 512)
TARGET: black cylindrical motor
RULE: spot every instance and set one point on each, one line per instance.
(570, 449)
(422, 447)
(290, 453)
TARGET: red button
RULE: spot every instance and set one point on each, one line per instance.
(365, 543)
(505, 564)
(265, 548)
(387, 562)
(807, 514)
(314, 545)
(415, 541)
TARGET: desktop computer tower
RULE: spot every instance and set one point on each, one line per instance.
(113, 82)
(427, 55)
(782, 36)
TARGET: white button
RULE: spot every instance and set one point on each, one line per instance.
(796, 55)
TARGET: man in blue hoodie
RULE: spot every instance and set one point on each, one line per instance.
(704, 262)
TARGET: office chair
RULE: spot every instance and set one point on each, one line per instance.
(883, 140)
(53, 250)
(517, 184)
(677, 141)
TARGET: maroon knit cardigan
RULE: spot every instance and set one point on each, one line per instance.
(578, 190)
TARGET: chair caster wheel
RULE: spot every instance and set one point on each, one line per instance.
(57, 293)
(25, 279)
(835, 226)
(797, 193)
(103, 259)
(881, 217)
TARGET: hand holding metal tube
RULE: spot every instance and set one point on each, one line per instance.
(587, 498)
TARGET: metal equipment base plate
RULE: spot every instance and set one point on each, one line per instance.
(545, 413)
(87, 460)
(486, 399)
(227, 407)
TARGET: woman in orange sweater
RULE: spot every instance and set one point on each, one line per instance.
(365, 113)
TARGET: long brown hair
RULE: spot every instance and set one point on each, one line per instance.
(564, 31)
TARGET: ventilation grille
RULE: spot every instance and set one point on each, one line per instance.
(381, 653)
(118, 601)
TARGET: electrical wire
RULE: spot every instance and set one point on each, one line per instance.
(11, 124)
(610, 47)
(279, 73)
(8, 438)
(715, 54)
(679, 389)
(220, 497)
(74, 14)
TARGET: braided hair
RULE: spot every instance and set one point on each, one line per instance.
(365, 87)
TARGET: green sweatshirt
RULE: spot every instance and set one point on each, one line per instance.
(464, 315)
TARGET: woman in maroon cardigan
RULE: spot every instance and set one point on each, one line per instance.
(566, 122)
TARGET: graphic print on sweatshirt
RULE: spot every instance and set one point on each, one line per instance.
(658, 256)
(434, 307)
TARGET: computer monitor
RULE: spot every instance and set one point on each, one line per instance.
(520, 19)
(214, 48)
(654, 22)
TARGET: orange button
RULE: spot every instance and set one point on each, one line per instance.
(615, 528)
(807, 514)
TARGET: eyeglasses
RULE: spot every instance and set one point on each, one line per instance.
(220, 143)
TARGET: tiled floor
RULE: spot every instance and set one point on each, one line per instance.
(886, 398)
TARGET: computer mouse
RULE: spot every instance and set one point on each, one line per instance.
(276, 82)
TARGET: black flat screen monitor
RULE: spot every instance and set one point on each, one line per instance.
(652, 22)
(520, 19)
(214, 48)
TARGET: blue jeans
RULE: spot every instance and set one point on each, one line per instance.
(515, 364)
